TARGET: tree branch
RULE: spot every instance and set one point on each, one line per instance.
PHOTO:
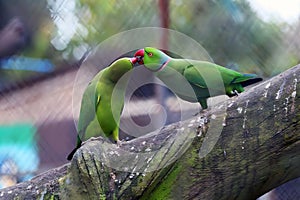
(257, 150)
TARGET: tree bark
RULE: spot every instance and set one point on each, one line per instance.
(257, 150)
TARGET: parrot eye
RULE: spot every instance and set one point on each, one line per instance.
(150, 54)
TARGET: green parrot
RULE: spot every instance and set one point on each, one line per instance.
(96, 113)
(205, 79)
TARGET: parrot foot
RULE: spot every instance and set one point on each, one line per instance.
(92, 139)
(201, 112)
(119, 143)
(234, 93)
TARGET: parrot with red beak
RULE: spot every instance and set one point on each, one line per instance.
(206, 79)
(97, 117)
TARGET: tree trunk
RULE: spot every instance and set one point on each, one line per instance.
(239, 149)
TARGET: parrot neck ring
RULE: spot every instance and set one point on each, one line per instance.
(162, 66)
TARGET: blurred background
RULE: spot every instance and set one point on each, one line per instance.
(43, 42)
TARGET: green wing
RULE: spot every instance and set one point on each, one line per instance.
(91, 97)
(193, 75)
(204, 73)
(87, 116)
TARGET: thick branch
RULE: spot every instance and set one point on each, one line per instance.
(256, 151)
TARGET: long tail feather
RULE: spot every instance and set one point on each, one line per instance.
(251, 81)
(247, 79)
(70, 156)
(78, 145)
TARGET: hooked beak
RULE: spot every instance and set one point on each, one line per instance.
(133, 60)
(140, 55)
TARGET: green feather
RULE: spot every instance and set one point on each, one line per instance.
(96, 114)
(205, 78)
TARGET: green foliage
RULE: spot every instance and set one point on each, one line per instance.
(230, 30)
(230, 34)
(105, 18)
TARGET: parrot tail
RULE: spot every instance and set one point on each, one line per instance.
(247, 79)
(78, 145)
(70, 156)
(251, 81)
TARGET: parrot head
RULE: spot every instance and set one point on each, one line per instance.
(121, 66)
(152, 58)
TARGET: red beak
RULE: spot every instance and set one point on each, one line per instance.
(140, 55)
(133, 60)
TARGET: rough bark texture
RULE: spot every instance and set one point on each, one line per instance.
(257, 150)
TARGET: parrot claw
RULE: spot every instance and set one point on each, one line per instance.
(197, 113)
(235, 93)
(93, 138)
(201, 112)
(119, 143)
